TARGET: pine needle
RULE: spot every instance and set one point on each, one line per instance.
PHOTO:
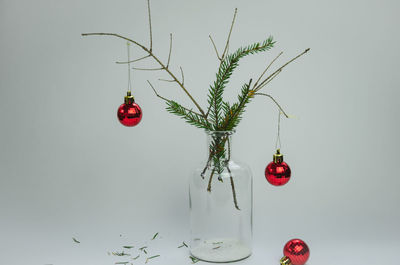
(194, 260)
(75, 240)
(155, 235)
(152, 257)
(183, 245)
(120, 254)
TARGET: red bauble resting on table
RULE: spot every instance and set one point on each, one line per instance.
(277, 172)
(296, 252)
(129, 113)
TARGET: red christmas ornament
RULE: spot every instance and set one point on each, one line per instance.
(296, 252)
(129, 113)
(277, 172)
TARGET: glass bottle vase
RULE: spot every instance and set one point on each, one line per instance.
(221, 204)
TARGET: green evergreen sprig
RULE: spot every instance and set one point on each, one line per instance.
(226, 68)
(233, 115)
(188, 115)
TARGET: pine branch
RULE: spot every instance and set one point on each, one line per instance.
(233, 115)
(188, 115)
(228, 65)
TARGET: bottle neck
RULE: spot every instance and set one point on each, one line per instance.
(219, 148)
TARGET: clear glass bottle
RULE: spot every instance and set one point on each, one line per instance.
(221, 204)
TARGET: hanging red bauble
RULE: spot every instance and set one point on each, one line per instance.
(129, 113)
(277, 172)
(296, 252)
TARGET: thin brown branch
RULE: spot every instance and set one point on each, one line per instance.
(118, 36)
(229, 148)
(208, 164)
(170, 49)
(215, 47)
(136, 60)
(263, 83)
(155, 92)
(210, 180)
(169, 100)
(150, 29)
(270, 78)
(233, 188)
(148, 69)
(266, 69)
(167, 80)
(279, 106)
(204, 171)
(229, 36)
(157, 60)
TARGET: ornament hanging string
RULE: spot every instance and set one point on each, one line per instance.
(129, 67)
(278, 137)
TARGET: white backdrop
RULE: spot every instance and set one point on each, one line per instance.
(69, 169)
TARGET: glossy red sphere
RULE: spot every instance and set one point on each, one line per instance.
(277, 174)
(129, 114)
(297, 251)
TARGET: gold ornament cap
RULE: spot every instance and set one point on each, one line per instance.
(129, 99)
(285, 260)
(278, 157)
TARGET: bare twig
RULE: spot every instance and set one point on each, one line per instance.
(203, 172)
(150, 29)
(168, 100)
(210, 180)
(148, 69)
(166, 80)
(229, 36)
(222, 57)
(266, 69)
(279, 106)
(266, 80)
(170, 49)
(269, 79)
(215, 47)
(229, 148)
(136, 60)
(165, 99)
(233, 188)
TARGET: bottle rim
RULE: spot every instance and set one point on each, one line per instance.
(208, 132)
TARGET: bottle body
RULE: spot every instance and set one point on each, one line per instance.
(221, 204)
